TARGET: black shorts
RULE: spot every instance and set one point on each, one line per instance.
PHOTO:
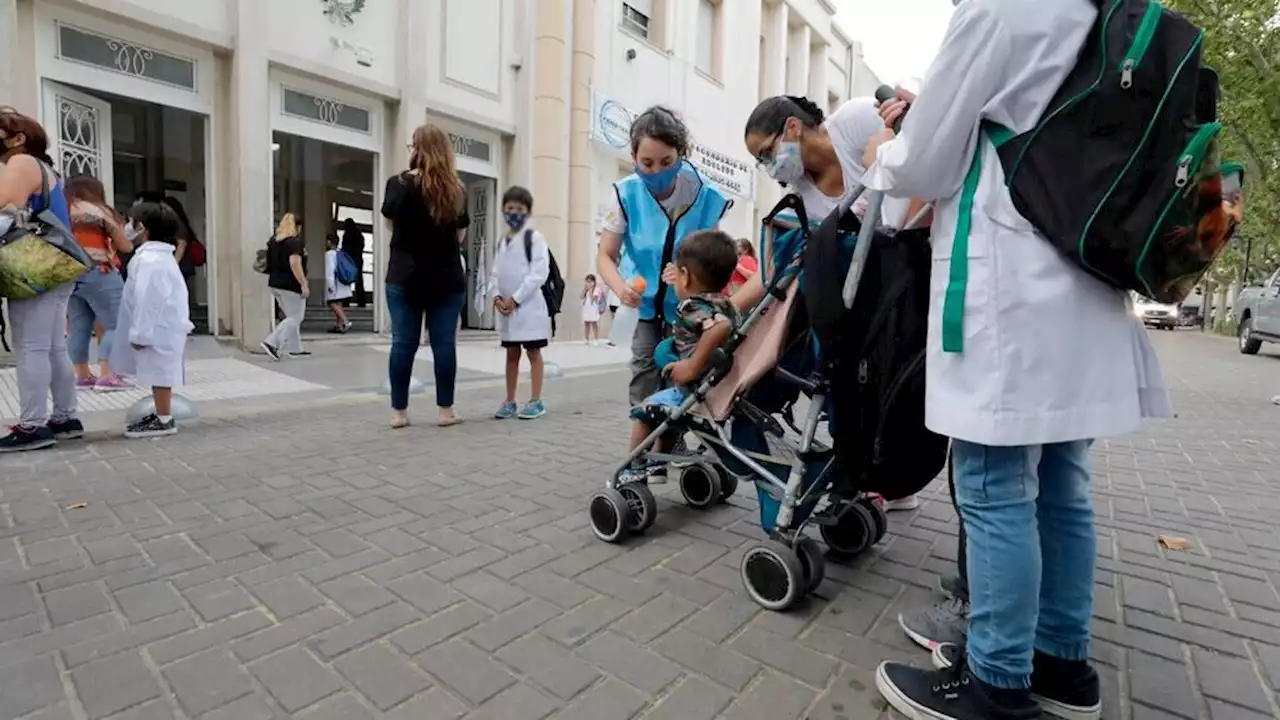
(526, 344)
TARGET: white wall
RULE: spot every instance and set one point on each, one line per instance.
(472, 45)
(210, 15)
(714, 109)
(302, 32)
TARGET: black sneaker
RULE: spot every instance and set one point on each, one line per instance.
(69, 429)
(151, 426)
(946, 622)
(1066, 689)
(22, 439)
(1063, 689)
(271, 350)
(952, 694)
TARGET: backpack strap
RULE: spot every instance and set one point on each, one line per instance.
(958, 269)
(528, 245)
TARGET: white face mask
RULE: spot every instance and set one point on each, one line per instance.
(787, 166)
(131, 231)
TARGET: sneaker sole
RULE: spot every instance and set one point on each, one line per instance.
(107, 390)
(1049, 707)
(73, 435)
(917, 638)
(141, 435)
(901, 702)
(1067, 712)
(38, 445)
(532, 417)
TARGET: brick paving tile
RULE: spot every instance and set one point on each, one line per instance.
(255, 568)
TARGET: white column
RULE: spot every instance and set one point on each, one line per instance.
(580, 260)
(9, 49)
(773, 66)
(249, 158)
(550, 115)
(798, 61)
(818, 63)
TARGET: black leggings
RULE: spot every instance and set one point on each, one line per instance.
(962, 560)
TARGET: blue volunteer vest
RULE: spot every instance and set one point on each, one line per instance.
(651, 238)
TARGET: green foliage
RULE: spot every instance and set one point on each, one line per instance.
(1243, 45)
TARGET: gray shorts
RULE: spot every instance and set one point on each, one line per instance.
(646, 376)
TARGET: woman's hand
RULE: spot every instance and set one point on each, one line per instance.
(629, 297)
(891, 111)
(669, 274)
(873, 144)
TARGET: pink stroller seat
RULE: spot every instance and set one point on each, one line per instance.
(756, 357)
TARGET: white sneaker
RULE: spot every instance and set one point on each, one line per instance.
(910, 502)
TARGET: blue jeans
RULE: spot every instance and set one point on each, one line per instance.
(96, 297)
(1031, 552)
(407, 317)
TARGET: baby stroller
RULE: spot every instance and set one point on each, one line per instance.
(808, 483)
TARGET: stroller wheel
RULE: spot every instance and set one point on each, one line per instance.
(609, 514)
(853, 533)
(879, 517)
(813, 562)
(700, 485)
(642, 508)
(728, 485)
(773, 575)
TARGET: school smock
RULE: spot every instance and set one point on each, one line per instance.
(519, 278)
(1047, 354)
(154, 315)
(334, 290)
(649, 229)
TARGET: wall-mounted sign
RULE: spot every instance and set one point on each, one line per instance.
(471, 147)
(342, 12)
(611, 127)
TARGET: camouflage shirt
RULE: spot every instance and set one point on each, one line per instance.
(695, 315)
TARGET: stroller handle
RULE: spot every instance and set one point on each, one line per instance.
(862, 249)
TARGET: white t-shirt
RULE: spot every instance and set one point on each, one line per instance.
(850, 127)
(680, 199)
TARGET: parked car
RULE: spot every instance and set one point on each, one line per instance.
(1258, 310)
(1153, 314)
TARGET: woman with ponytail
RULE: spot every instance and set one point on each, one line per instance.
(426, 208)
(819, 159)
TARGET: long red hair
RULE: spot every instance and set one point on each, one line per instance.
(437, 173)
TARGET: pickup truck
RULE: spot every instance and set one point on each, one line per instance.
(1258, 308)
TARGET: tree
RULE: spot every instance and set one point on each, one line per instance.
(1242, 43)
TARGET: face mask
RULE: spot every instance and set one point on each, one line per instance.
(515, 220)
(786, 167)
(660, 181)
(131, 231)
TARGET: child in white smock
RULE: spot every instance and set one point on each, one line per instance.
(520, 267)
(154, 318)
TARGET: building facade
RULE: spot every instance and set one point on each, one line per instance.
(243, 110)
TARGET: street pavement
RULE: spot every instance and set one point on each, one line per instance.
(299, 559)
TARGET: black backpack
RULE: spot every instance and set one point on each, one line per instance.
(873, 355)
(553, 288)
(1121, 174)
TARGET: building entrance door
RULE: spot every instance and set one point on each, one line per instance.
(479, 250)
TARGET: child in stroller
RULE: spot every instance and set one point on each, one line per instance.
(801, 485)
(705, 318)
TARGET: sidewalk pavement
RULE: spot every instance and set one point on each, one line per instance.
(305, 561)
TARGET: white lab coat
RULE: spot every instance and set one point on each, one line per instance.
(1050, 354)
(153, 315)
(521, 279)
(334, 290)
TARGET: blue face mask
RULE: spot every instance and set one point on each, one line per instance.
(660, 181)
(515, 220)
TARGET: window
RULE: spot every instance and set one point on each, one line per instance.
(708, 37)
(126, 58)
(325, 110)
(635, 16)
